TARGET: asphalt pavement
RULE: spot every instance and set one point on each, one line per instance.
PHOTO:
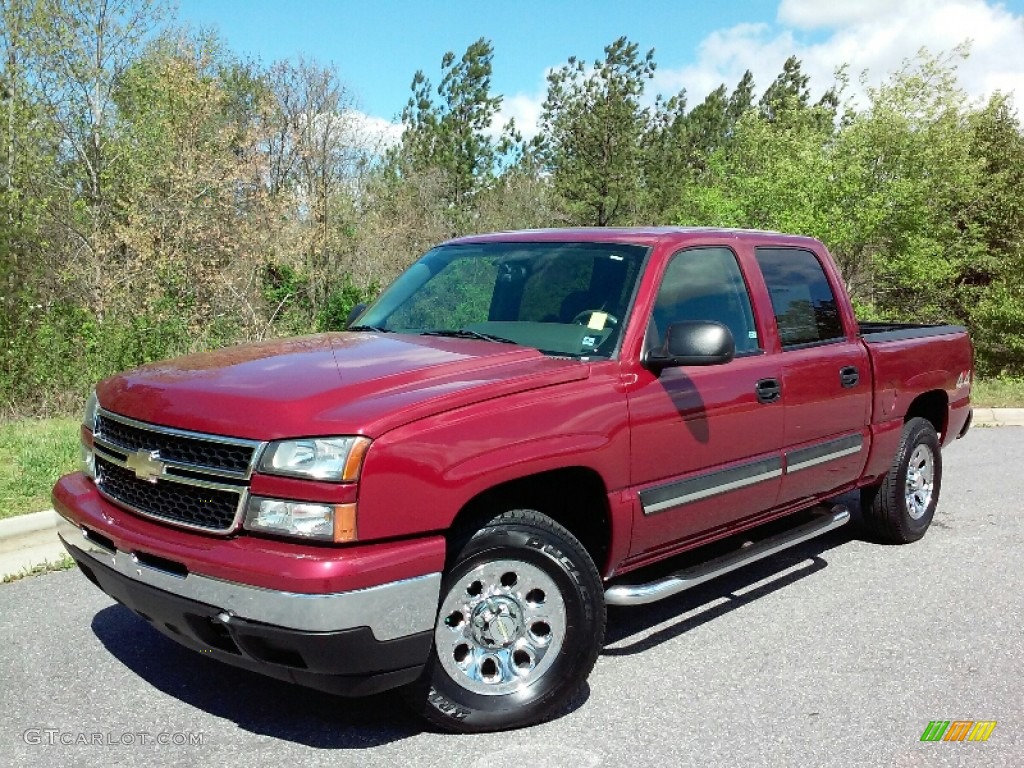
(837, 653)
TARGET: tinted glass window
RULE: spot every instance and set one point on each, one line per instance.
(805, 308)
(458, 294)
(705, 284)
(561, 298)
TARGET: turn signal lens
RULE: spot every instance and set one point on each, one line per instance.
(302, 519)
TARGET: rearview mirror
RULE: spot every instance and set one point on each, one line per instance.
(692, 343)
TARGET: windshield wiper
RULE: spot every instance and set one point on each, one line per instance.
(375, 328)
(466, 333)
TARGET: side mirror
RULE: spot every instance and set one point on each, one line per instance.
(354, 313)
(692, 343)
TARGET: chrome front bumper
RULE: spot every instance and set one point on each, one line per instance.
(393, 610)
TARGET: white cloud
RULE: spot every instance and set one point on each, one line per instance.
(375, 132)
(723, 57)
(814, 14)
(872, 35)
(525, 109)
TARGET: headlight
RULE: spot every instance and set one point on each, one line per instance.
(303, 519)
(92, 406)
(336, 459)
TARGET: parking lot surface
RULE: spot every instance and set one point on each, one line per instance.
(836, 653)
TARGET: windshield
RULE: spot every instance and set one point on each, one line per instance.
(562, 298)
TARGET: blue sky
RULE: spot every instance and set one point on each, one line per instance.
(377, 46)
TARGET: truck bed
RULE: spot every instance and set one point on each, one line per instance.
(907, 361)
(873, 333)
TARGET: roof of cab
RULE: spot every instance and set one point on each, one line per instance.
(648, 236)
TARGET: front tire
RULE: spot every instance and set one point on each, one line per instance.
(900, 509)
(520, 625)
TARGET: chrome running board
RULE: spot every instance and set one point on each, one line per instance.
(640, 594)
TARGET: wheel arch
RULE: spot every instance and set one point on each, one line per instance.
(574, 497)
(933, 406)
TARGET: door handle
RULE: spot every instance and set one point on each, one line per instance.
(849, 376)
(768, 390)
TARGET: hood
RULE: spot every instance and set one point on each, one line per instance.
(342, 383)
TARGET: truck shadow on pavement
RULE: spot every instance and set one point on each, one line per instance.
(259, 704)
(255, 703)
(632, 630)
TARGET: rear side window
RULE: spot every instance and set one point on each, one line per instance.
(805, 307)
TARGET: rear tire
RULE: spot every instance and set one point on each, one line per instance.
(900, 509)
(520, 625)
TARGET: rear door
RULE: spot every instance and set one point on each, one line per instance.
(706, 451)
(826, 376)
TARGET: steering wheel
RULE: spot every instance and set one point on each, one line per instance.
(610, 321)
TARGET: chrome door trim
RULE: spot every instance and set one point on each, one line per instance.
(821, 453)
(676, 494)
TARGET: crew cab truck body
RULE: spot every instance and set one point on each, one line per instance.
(445, 497)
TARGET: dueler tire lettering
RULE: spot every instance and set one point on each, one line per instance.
(446, 707)
(520, 624)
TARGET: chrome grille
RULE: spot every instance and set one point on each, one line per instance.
(174, 445)
(190, 505)
(186, 478)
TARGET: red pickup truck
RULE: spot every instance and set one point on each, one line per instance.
(446, 497)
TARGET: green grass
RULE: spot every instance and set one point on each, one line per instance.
(33, 454)
(63, 564)
(998, 393)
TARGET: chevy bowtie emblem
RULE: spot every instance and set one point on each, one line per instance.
(146, 465)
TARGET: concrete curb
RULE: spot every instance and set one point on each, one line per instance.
(999, 417)
(26, 525)
(30, 540)
(27, 541)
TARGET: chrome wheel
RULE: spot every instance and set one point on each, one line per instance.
(519, 626)
(900, 508)
(920, 481)
(500, 627)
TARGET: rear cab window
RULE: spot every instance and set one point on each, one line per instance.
(805, 307)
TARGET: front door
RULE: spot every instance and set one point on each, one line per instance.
(706, 447)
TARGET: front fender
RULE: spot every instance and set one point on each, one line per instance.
(418, 477)
(527, 457)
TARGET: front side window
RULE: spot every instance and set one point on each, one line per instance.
(704, 284)
(566, 299)
(805, 307)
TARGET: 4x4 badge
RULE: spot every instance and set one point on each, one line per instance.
(146, 465)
